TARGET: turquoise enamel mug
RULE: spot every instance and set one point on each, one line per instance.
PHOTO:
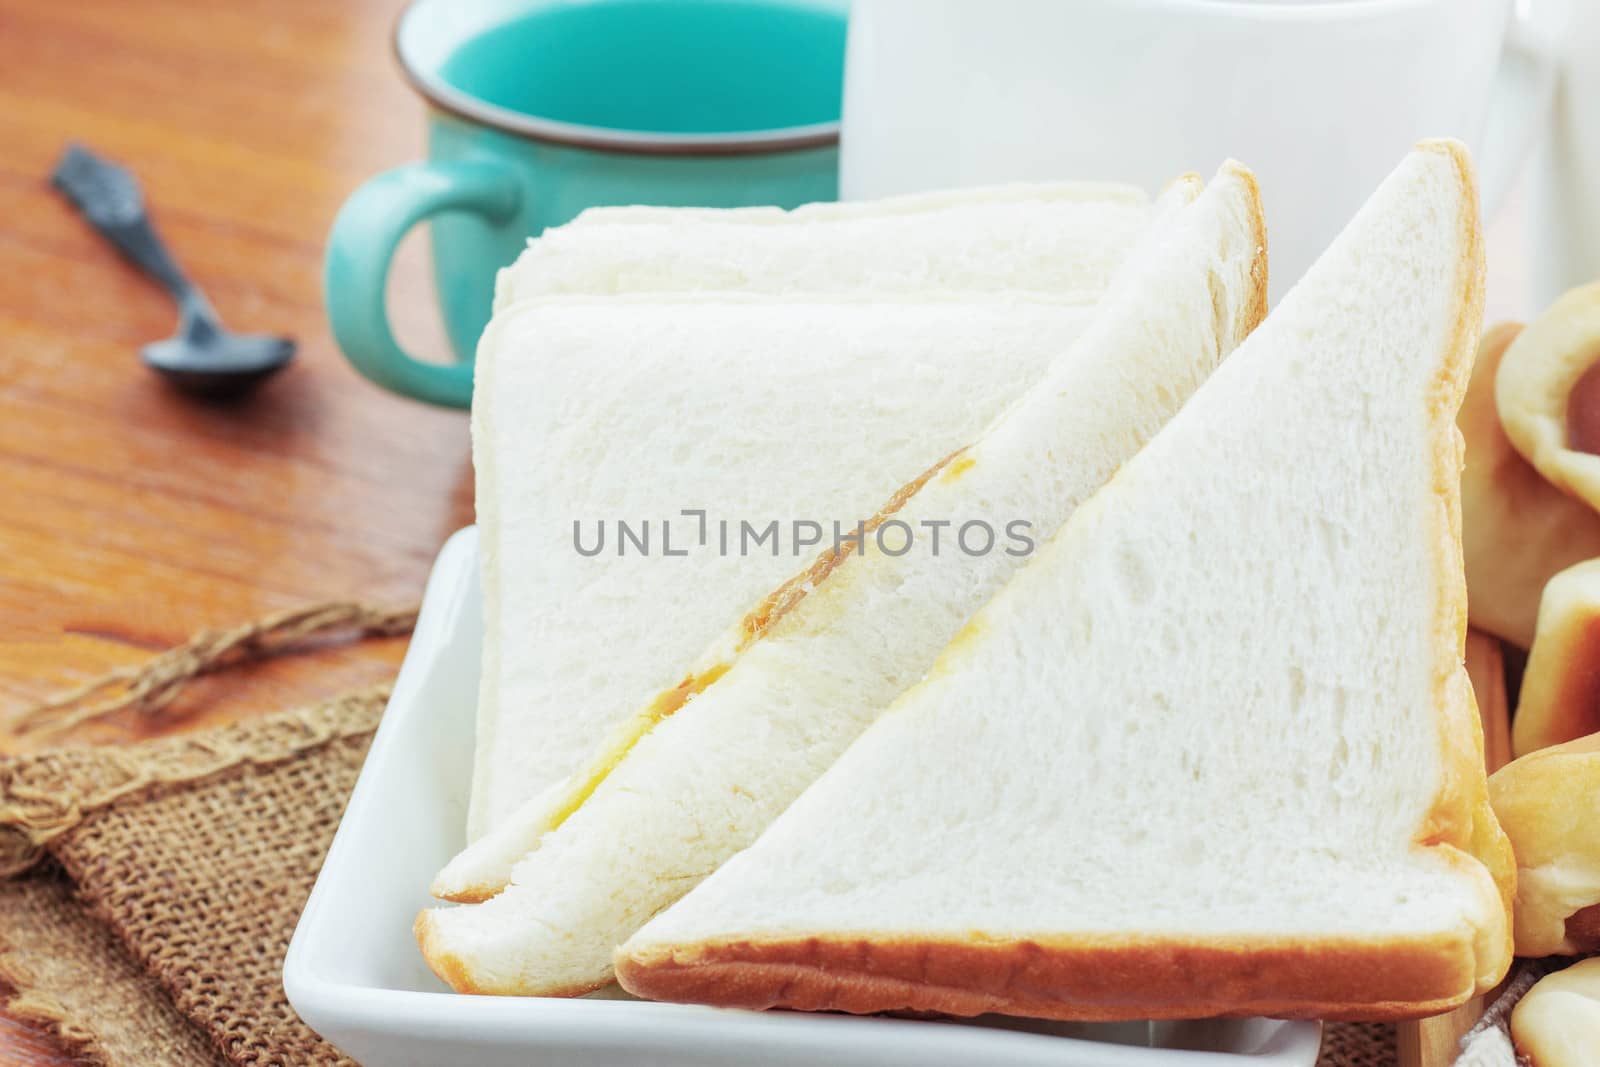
(538, 109)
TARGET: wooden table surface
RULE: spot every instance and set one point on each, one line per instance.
(131, 516)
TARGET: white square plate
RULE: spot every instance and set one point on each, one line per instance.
(354, 974)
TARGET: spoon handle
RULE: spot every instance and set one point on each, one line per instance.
(108, 197)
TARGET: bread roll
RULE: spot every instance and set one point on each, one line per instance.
(1534, 390)
(1517, 529)
(1561, 689)
(1558, 1023)
(1549, 805)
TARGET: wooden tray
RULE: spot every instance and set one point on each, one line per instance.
(1434, 1042)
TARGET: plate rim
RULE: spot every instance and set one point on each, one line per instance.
(331, 1006)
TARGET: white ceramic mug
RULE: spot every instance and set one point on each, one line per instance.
(1320, 97)
(1564, 188)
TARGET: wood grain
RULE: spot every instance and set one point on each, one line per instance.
(1435, 1042)
(130, 516)
(133, 515)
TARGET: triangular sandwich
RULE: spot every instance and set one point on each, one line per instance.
(1214, 751)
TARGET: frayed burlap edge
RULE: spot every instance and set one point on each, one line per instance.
(42, 1010)
(67, 976)
(46, 795)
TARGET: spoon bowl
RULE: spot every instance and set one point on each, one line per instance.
(204, 358)
(227, 365)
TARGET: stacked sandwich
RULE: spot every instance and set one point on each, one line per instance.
(1197, 741)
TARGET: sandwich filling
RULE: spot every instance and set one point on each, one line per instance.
(753, 627)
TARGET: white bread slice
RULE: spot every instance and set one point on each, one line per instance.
(610, 411)
(1064, 239)
(672, 795)
(1214, 751)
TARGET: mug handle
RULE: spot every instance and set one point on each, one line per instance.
(1523, 93)
(361, 249)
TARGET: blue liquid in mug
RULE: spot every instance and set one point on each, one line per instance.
(662, 66)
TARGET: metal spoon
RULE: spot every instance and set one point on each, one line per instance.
(204, 357)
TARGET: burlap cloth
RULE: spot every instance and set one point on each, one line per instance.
(148, 892)
(153, 888)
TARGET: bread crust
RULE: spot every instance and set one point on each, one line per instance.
(1119, 977)
(1255, 310)
(1460, 827)
(458, 975)
(1087, 979)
